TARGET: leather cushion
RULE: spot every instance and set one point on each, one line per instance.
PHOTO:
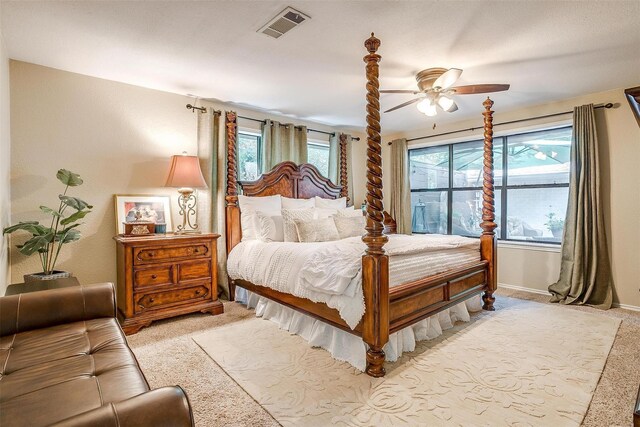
(53, 373)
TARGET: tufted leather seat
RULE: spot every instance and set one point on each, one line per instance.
(64, 358)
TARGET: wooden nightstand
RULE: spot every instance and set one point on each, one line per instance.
(162, 276)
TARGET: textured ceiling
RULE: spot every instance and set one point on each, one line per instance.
(546, 50)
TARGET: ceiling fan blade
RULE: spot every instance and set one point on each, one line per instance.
(404, 104)
(473, 89)
(448, 78)
(398, 91)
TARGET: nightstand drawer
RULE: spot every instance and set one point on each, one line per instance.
(157, 275)
(194, 270)
(149, 254)
(156, 300)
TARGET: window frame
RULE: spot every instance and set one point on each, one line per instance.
(504, 185)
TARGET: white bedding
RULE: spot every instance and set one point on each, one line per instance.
(330, 272)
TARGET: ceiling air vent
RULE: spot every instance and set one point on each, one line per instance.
(283, 22)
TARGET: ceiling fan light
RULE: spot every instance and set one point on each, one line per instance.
(426, 106)
(445, 103)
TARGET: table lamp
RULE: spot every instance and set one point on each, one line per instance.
(185, 175)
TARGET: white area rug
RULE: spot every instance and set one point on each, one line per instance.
(527, 364)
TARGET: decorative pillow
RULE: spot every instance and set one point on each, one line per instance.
(324, 213)
(316, 230)
(248, 208)
(349, 226)
(289, 226)
(288, 203)
(349, 212)
(269, 228)
(340, 203)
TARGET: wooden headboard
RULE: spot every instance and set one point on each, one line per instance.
(290, 180)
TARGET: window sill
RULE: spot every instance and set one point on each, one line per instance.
(530, 246)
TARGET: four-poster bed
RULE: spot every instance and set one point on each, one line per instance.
(387, 310)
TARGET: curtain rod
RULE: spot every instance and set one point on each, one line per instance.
(607, 105)
(193, 109)
(308, 129)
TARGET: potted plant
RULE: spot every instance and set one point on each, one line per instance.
(48, 241)
(555, 225)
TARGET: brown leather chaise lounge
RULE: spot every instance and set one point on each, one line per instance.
(64, 361)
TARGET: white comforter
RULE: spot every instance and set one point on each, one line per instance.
(330, 272)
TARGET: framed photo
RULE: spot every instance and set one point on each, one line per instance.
(129, 207)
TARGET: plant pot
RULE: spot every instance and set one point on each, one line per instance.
(42, 277)
(557, 233)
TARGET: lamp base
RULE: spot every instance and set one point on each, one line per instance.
(187, 202)
(179, 232)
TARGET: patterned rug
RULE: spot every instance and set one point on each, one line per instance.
(527, 364)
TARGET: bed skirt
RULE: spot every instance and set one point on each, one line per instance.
(348, 347)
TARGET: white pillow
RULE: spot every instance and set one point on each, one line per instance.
(248, 208)
(288, 203)
(324, 213)
(316, 230)
(340, 203)
(349, 212)
(269, 228)
(349, 226)
(289, 226)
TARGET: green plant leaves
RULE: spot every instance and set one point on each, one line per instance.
(74, 217)
(70, 235)
(49, 240)
(69, 178)
(49, 211)
(32, 227)
(74, 202)
(36, 244)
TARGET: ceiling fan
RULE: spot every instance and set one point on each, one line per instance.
(436, 88)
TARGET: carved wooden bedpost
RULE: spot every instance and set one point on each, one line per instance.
(232, 209)
(375, 264)
(488, 247)
(344, 178)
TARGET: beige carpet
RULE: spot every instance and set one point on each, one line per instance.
(169, 356)
(527, 364)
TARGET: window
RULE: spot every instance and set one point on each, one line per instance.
(249, 149)
(531, 186)
(248, 156)
(318, 155)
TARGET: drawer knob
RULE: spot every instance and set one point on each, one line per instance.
(198, 292)
(153, 276)
(195, 250)
(151, 299)
(150, 254)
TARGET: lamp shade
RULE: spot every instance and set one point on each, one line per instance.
(185, 172)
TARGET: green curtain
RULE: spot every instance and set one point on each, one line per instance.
(334, 158)
(400, 188)
(211, 201)
(281, 142)
(334, 163)
(585, 272)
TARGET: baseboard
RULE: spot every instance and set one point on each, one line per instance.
(522, 288)
(626, 306)
(539, 292)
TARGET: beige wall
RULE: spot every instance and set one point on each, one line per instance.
(5, 155)
(619, 138)
(118, 137)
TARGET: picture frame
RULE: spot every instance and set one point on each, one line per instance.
(152, 208)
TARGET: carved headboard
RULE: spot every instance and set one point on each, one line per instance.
(290, 180)
(287, 179)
